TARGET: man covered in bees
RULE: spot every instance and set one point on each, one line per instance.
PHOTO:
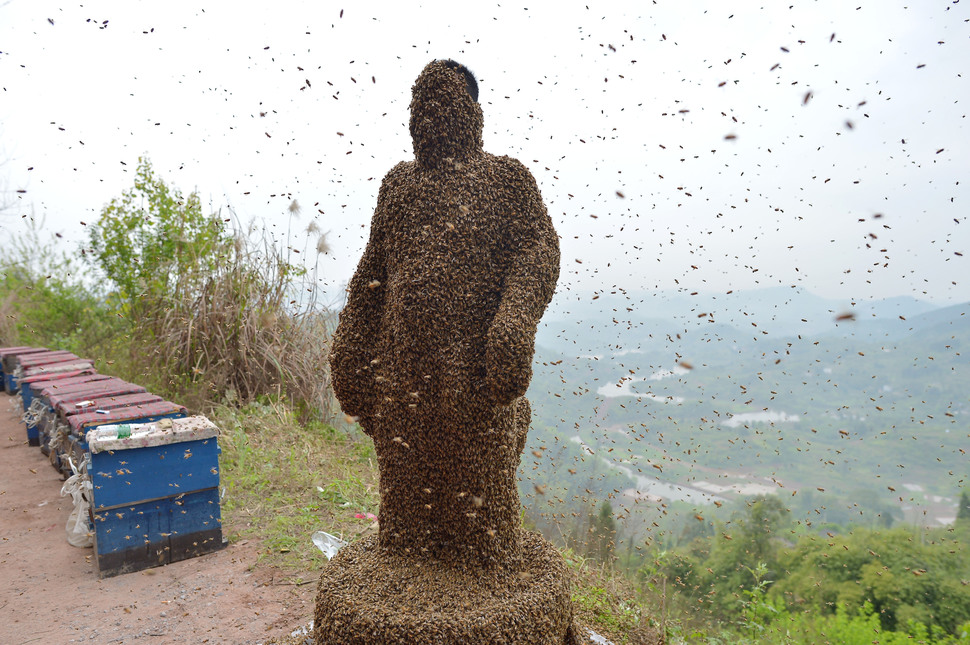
(433, 355)
(434, 347)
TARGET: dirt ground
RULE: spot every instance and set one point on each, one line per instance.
(50, 592)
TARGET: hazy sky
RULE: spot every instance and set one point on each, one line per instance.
(700, 145)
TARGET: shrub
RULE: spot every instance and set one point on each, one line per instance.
(216, 313)
(44, 300)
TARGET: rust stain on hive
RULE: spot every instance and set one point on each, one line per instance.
(433, 355)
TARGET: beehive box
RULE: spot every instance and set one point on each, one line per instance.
(136, 408)
(47, 357)
(82, 394)
(41, 411)
(155, 495)
(101, 404)
(4, 351)
(73, 428)
(24, 362)
(8, 364)
(35, 392)
(31, 385)
(26, 385)
(57, 368)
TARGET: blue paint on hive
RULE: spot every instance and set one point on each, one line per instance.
(131, 476)
(137, 536)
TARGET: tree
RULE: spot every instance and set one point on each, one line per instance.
(744, 553)
(603, 534)
(153, 242)
(221, 313)
(766, 516)
(963, 511)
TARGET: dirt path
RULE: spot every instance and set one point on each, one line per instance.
(50, 592)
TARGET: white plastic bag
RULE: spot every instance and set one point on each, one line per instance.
(327, 543)
(596, 638)
(79, 487)
(34, 412)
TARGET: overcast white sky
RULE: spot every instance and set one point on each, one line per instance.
(635, 97)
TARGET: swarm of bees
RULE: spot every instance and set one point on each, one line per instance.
(433, 355)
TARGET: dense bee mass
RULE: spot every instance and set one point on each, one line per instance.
(433, 355)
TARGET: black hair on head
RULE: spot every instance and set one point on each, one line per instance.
(470, 81)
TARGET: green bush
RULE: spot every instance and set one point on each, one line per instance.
(44, 299)
(155, 244)
(174, 299)
(217, 313)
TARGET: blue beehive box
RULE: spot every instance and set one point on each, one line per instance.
(155, 494)
(149, 409)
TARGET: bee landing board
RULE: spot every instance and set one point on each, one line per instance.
(155, 494)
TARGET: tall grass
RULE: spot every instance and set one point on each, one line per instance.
(252, 327)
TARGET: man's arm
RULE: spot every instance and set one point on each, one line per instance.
(528, 288)
(355, 339)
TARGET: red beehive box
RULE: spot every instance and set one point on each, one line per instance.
(8, 364)
(27, 397)
(103, 403)
(28, 383)
(47, 424)
(37, 359)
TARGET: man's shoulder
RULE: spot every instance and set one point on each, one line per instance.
(511, 164)
(513, 171)
(400, 169)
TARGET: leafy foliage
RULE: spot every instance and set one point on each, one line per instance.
(897, 581)
(43, 299)
(963, 512)
(155, 244)
(603, 534)
(221, 311)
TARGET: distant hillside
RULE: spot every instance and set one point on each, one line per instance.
(842, 400)
(593, 321)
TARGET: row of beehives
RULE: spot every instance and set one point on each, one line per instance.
(153, 471)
